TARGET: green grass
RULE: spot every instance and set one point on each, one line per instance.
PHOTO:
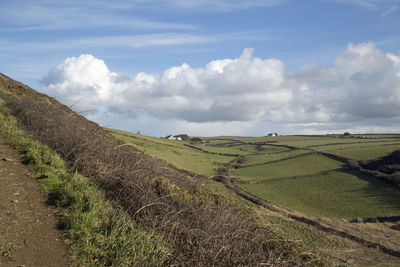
(266, 138)
(220, 189)
(307, 164)
(338, 194)
(267, 157)
(180, 156)
(148, 138)
(220, 142)
(361, 152)
(96, 233)
(260, 149)
(331, 141)
(294, 230)
(223, 150)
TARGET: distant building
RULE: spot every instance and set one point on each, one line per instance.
(173, 137)
(272, 134)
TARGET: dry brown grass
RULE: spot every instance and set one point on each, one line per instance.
(201, 228)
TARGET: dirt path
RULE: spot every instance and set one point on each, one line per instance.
(28, 234)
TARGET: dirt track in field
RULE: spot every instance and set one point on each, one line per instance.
(28, 232)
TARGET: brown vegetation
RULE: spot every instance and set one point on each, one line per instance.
(200, 227)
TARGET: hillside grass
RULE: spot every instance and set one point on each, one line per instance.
(361, 152)
(267, 157)
(298, 231)
(158, 140)
(266, 138)
(223, 150)
(259, 149)
(221, 141)
(307, 164)
(199, 228)
(331, 141)
(175, 153)
(338, 194)
(97, 234)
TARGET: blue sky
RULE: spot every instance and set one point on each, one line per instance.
(158, 66)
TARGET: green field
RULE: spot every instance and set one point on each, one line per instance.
(223, 150)
(221, 142)
(267, 157)
(175, 153)
(334, 194)
(332, 141)
(307, 164)
(260, 149)
(337, 194)
(361, 152)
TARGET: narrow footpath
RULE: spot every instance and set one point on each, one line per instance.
(28, 227)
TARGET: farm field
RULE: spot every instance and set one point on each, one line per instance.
(270, 139)
(307, 164)
(333, 141)
(361, 152)
(221, 142)
(260, 148)
(223, 150)
(175, 153)
(268, 167)
(268, 157)
(338, 194)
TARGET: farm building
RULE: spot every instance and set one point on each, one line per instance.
(173, 137)
(272, 134)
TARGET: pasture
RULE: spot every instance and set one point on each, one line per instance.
(337, 194)
(289, 170)
(268, 157)
(178, 155)
(307, 164)
(362, 151)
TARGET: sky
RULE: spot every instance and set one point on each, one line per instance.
(212, 67)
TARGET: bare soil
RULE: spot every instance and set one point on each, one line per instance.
(28, 226)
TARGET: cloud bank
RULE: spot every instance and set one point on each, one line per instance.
(361, 88)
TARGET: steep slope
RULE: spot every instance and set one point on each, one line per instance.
(200, 228)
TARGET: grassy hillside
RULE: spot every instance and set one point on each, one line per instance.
(337, 194)
(307, 164)
(289, 171)
(176, 153)
(197, 220)
(197, 227)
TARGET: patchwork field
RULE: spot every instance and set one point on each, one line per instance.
(338, 194)
(298, 172)
(307, 164)
(362, 151)
(175, 153)
(223, 150)
(268, 157)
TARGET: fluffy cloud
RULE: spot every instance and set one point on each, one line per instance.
(363, 84)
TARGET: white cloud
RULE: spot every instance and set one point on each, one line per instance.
(363, 86)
